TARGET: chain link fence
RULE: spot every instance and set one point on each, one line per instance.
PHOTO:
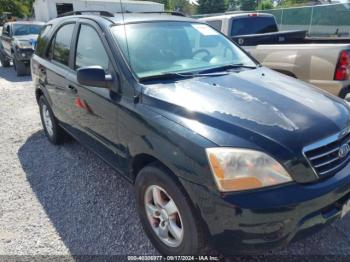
(320, 20)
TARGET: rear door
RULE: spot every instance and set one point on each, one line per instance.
(57, 69)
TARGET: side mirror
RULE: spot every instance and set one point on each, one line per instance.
(93, 76)
(5, 33)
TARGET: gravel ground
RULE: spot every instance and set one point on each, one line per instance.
(66, 201)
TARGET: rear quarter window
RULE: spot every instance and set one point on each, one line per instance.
(43, 40)
(217, 24)
(62, 43)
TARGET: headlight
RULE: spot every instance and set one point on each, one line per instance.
(23, 44)
(241, 169)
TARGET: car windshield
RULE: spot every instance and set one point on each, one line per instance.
(176, 47)
(26, 29)
(253, 25)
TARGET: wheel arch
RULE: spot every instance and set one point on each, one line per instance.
(142, 160)
(38, 94)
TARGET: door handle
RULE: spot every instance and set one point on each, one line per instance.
(73, 89)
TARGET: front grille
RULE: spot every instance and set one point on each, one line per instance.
(324, 155)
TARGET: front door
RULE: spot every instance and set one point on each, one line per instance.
(6, 39)
(96, 108)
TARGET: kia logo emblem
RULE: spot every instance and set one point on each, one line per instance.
(344, 151)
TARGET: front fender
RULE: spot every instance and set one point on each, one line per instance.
(178, 148)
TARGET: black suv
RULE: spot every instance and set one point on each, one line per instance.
(223, 152)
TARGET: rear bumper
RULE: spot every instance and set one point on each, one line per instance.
(260, 220)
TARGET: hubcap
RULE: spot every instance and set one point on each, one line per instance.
(164, 216)
(47, 120)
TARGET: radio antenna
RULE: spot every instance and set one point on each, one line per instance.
(125, 35)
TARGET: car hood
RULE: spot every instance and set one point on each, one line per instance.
(26, 37)
(253, 105)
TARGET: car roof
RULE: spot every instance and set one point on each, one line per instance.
(141, 17)
(126, 18)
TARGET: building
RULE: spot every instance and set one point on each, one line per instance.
(46, 10)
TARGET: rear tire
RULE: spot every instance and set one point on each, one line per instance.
(20, 68)
(4, 61)
(53, 131)
(191, 237)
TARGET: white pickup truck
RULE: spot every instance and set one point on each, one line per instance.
(323, 62)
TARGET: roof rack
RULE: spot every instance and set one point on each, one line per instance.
(101, 13)
(110, 14)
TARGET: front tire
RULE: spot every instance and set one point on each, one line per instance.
(4, 61)
(53, 131)
(167, 215)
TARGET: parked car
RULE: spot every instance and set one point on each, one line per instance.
(18, 40)
(323, 62)
(223, 153)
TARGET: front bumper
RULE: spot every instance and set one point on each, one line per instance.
(260, 220)
(24, 55)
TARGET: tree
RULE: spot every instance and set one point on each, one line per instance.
(166, 3)
(181, 5)
(232, 5)
(265, 5)
(248, 5)
(290, 3)
(178, 5)
(18, 8)
(211, 6)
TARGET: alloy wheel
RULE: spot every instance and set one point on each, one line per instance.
(47, 120)
(164, 216)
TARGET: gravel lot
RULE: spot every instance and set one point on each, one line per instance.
(66, 201)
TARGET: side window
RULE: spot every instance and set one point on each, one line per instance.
(6, 30)
(216, 24)
(61, 44)
(42, 40)
(90, 50)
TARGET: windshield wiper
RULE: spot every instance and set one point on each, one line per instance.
(227, 67)
(165, 76)
(174, 75)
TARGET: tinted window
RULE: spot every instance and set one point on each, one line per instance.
(42, 40)
(26, 29)
(216, 24)
(90, 50)
(62, 43)
(253, 25)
